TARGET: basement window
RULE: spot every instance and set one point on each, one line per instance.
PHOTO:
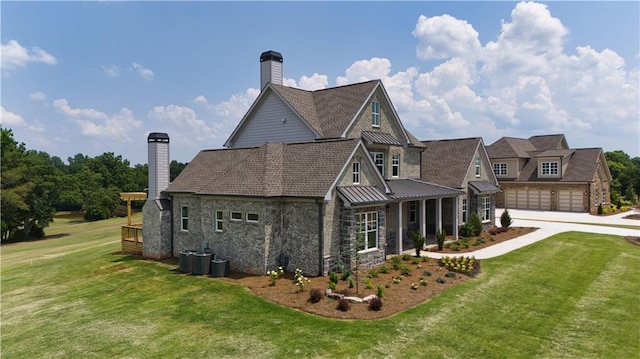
(236, 216)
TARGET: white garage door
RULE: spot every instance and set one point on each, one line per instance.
(570, 201)
(528, 199)
(539, 199)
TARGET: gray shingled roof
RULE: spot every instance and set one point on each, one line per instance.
(271, 170)
(482, 187)
(510, 147)
(549, 142)
(447, 161)
(582, 167)
(328, 111)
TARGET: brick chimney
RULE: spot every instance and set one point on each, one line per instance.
(158, 144)
(270, 68)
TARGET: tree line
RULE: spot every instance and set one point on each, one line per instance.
(36, 185)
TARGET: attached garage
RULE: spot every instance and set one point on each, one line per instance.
(570, 201)
(523, 198)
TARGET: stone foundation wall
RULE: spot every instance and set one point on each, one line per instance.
(156, 229)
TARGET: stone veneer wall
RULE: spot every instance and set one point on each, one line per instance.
(156, 230)
(288, 228)
(370, 258)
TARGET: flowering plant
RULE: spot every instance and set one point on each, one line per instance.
(299, 280)
(274, 275)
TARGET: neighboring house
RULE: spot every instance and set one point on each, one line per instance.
(543, 173)
(463, 164)
(308, 176)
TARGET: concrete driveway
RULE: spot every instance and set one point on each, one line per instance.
(551, 223)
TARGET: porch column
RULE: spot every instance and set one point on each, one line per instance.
(455, 217)
(423, 217)
(438, 214)
(399, 239)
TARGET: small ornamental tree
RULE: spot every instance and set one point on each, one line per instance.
(505, 219)
(440, 237)
(476, 224)
(418, 241)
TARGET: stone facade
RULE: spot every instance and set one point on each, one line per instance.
(156, 229)
(287, 232)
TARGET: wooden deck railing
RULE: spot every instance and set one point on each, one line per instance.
(132, 238)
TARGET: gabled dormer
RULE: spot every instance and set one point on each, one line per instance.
(552, 164)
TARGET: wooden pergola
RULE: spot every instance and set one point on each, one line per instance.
(132, 196)
(131, 234)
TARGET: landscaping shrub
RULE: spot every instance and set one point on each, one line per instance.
(96, 213)
(372, 273)
(406, 257)
(405, 270)
(375, 304)
(418, 241)
(466, 230)
(505, 219)
(383, 269)
(120, 211)
(381, 291)
(395, 262)
(344, 305)
(333, 277)
(465, 265)
(440, 237)
(441, 280)
(475, 223)
(600, 210)
(315, 295)
(426, 273)
(332, 286)
(450, 274)
(368, 284)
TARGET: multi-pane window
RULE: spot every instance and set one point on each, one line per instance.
(356, 172)
(486, 209)
(549, 168)
(395, 165)
(604, 195)
(367, 230)
(412, 212)
(477, 166)
(252, 217)
(184, 218)
(464, 210)
(378, 159)
(236, 216)
(500, 169)
(375, 114)
(219, 221)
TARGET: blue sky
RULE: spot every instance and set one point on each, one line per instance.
(94, 77)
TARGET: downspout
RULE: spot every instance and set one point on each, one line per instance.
(320, 237)
(170, 198)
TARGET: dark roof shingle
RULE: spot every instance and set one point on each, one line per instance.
(447, 161)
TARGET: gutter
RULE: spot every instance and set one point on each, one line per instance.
(320, 237)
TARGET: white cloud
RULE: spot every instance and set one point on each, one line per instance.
(111, 70)
(144, 72)
(62, 106)
(15, 55)
(38, 96)
(521, 84)
(315, 82)
(93, 123)
(200, 100)
(441, 37)
(9, 119)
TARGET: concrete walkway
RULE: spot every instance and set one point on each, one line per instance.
(549, 224)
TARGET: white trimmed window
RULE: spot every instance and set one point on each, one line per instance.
(477, 166)
(367, 229)
(378, 159)
(184, 218)
(486, 209)
(395, 165)
(500, 169)
(252, 217)
(549, 168)
(356, 172)
(412, 212)
(236, 216)
(464, 210)
(375, 114)
(219, 221)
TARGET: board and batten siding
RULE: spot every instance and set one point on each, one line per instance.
(273, 121)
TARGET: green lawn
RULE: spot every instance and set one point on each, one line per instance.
(574, 295)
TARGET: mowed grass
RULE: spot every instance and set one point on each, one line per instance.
(574, 295)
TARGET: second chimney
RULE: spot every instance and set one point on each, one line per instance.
(270, 68)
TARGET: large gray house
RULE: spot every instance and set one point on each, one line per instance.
(307, 178)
